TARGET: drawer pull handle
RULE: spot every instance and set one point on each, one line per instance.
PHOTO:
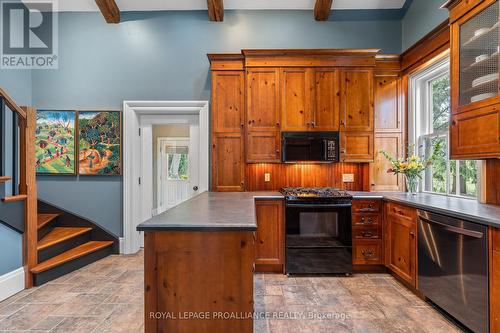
(367, 254)
(364, 221)
(367, 234)
(364, 210)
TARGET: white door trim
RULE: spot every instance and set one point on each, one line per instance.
(132, 156)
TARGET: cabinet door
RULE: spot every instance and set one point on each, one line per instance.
(380, 179)
(228, 165)
(401, 242)
(228, 101)
(263, 99)
(475, 134)
(263, 147)
(295, 99)
(387, 109)
(269, 247)
(356, 146)
(326, 106)
(356, 113)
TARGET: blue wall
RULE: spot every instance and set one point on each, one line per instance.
(18, 84)
(421, 18)
(162, 55)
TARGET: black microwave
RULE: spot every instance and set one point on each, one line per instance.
(319, 147)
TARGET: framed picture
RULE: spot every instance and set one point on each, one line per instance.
(55, 142)
(99, 143)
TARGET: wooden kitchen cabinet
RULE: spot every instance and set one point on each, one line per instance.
(263, 111)
(228, 104)
(380, 180)
(357, 105)
(296, 99)
(263, 147)
(356, 146)
(228, 163)
(388, 113)
(401, 241)
(270, 243)
(475, 64)
(476, 134)
(326, 105)
(367, 237)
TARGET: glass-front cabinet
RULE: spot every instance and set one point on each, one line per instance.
(475, 90)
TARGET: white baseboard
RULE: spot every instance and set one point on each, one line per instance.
(121, 242)
(11, 283)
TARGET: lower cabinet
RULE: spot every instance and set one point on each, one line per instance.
(367, 233)
(401, 241)
(495, 281)
(269, 240)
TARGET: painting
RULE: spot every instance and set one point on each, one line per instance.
(55, 142)
(99, 143)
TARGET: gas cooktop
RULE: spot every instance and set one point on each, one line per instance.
(314, 193)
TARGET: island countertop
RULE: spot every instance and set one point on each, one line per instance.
(211, 211)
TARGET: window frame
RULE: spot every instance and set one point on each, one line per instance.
(420, 124)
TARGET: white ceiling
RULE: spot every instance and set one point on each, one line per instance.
(146, 5)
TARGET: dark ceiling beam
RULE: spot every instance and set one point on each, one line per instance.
(109, 10)
(322, 9)
(216, 10)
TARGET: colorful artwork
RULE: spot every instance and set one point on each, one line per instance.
(55, 142)
(99, 141)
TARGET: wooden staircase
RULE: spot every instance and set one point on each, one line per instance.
(67, 242)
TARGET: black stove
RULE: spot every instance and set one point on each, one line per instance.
(318, 231)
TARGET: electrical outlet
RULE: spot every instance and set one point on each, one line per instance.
(348, 177)
(267, 177)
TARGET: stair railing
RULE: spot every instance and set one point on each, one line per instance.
(27, 191)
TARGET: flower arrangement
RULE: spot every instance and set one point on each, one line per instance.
(411, 166)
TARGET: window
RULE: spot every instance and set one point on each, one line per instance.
(177, 162)
(429, 124)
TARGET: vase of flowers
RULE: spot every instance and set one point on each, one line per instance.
(411, 166)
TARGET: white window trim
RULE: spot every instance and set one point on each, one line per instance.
(418, 96)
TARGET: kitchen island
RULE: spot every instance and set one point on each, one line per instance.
(199, 263)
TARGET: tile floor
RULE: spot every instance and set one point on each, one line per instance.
(107, 296)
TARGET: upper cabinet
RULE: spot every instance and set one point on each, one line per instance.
(326, 106)
(356, 112)
(388, 115)
(263, 112)
(228, 101)
(475, 99)
(296, 99)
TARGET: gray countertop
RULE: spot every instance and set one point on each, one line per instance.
(211, 211)
(466, 209)
(234, 211)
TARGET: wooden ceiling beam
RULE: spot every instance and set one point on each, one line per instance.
(322, 9)
(109, 10)
(216, 10)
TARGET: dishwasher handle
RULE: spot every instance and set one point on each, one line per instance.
(457, 230)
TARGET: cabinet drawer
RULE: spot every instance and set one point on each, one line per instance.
(366, 233)
(365, 219)
(495, 233)
(367, 252)
(366, 206)
(401, 211)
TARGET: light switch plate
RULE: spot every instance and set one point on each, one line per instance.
(348, 177)
(267, 177)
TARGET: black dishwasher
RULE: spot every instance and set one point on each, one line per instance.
(453, 267)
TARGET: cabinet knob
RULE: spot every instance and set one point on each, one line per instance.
(278, 124)
(412, 234)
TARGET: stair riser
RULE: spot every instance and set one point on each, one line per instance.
(63, 247)
(43, 231)
(51, 274)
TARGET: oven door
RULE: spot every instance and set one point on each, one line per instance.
(318, 239)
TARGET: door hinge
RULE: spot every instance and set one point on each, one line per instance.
(139, 180)
(139, 132)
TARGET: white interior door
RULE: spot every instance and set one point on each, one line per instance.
(178, 170)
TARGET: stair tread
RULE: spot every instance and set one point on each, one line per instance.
(4, 179)
(70, 255)
(13, 198)
(60, 234)
(43, 219)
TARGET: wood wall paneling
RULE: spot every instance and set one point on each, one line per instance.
(302, 175)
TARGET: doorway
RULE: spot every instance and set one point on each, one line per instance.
(185, 160)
